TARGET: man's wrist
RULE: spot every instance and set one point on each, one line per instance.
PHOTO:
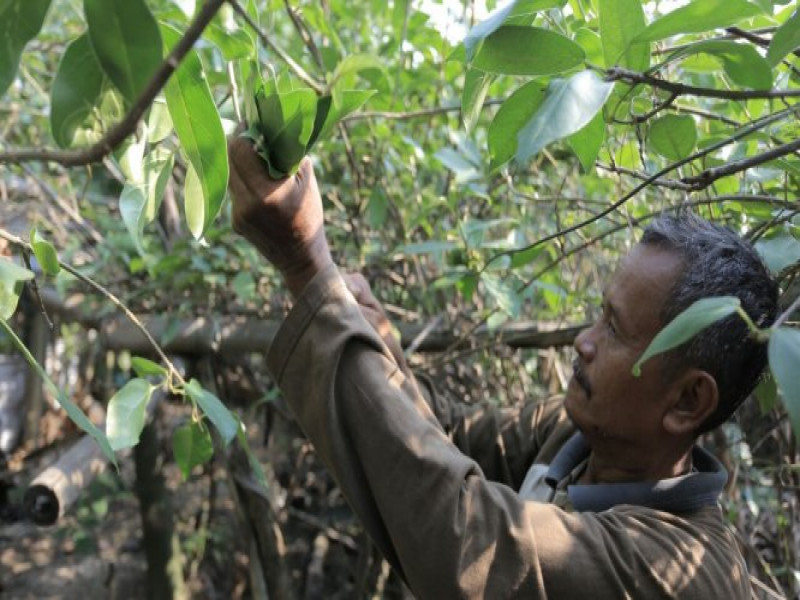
(299, 276)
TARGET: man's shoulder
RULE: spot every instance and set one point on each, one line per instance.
(687, 555)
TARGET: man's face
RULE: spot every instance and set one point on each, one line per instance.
(604, 400)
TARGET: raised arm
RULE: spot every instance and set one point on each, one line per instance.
(449, 531)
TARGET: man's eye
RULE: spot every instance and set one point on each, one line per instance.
(610, 326)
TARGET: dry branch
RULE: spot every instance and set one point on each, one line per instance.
(205, 335)
(53, 491)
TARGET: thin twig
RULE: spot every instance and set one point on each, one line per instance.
(414, 114)
(745, 131)
(70, 212)
(304, 33)
(34, 287)
(120, 132)
(692, 110)
(299, 71)
(680, 89)
(651, 113)
(672, 184)
(787, 313)
(26, 247)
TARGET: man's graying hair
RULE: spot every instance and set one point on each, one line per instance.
(717, 262)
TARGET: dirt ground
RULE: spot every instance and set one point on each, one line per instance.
(96, 549)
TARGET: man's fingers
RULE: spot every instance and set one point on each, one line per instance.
(251, 167)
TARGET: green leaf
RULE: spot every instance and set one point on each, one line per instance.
(509, 11)
(45, 254)
(779, 252)
(159, 123)
(486, 27)
(12, 277)
(191, 446)
(377, 208)
(673, 136)
(620, 22)
(157, 169)
(73, 412)
(742, 62)
(234, 44)
(586, 142)
(785, 39)
(147, 368)
(518, 50)
(286, 121)
(784, 361)
(592, 45)
(256, 469)
(214, 409)
(76, 90)
(126, 413)
(686, 325)
(569, 106)
(503, 294)
(20, 22)
(244, 285)
(132, 203)
(766, 393)
(141, 195)
(476, 86)
(126, 41)
(197, 123)
(698, 16)
(515, 111)
(194, 202)
(358, 64)
(460, 164)
(332, 109)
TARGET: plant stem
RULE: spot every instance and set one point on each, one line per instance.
(173, 372)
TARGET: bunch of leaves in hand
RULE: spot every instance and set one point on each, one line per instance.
(287, 121)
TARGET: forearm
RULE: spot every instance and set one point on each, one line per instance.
(415, 493)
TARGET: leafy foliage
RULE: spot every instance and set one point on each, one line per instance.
(479, 173)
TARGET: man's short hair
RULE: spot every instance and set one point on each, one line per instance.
(717, 262)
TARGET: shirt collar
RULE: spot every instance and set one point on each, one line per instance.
(676, 494)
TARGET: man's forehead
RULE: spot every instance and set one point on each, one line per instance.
(650, 263)
(644, 276)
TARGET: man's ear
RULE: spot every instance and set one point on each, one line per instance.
(697, 399)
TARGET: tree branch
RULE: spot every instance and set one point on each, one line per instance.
(619, 74)
(709, 176)
(119, 132)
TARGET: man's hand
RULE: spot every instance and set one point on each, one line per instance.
(281, 218)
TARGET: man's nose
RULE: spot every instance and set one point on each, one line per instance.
(585, 345)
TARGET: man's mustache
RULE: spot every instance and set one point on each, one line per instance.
(580, 376)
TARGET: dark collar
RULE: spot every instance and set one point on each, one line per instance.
(686, 493)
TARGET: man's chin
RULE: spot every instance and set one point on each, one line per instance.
(575, 393)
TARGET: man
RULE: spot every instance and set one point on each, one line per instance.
(626, 507)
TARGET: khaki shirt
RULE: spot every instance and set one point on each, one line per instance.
(451, 532)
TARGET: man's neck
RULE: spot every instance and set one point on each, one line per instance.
(618, 467)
